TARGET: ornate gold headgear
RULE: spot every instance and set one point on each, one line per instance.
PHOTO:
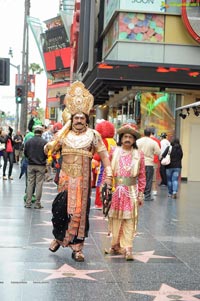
(78, 99)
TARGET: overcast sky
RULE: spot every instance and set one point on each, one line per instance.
(11, 35)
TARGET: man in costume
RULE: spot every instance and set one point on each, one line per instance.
(129, 183)
(71, 207)
(107, 131)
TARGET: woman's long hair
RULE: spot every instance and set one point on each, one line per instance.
(175, 142)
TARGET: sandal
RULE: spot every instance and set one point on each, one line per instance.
(54, 246)
(129, 255)
(113, 251)
(78, 256)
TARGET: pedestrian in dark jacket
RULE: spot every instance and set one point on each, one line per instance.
(34, 152)
(173, 170)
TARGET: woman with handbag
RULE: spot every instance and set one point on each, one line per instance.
(173, 169)
(8, 152)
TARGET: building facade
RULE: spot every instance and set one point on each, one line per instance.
(140, 59)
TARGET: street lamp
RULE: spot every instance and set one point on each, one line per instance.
(10, 53)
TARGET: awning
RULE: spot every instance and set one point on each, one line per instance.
(114, 76)
(54, 92)
(57, 89)
(53, 102)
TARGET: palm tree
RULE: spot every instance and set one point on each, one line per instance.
(35, 68)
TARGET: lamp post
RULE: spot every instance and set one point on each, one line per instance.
(25, 54)
(18, 83)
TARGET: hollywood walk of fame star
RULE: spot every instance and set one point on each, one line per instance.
(44, 242)
(167, 293)
(50, 187)
(145, 256)
(99, 218)
(66, 271)
(110, 234)
(104, 233)
(45, 223)
(137, 234)
(50, 193)
(45, 211)
(142, 256)
(48, 202)
(48, 241)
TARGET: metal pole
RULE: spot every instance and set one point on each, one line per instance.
(17, 105)
(24, 105)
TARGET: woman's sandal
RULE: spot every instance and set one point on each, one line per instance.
(54, 246)
(78, 256)
(129, 255)
(113, 251)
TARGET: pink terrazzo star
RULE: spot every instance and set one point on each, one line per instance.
(45, 223)
(66, 271)
(44, 242)
(46, 211)
(100, 218)
(145, 256)
(142, 256)
(166, 293)
(104, 233)
(50, 193)
(50, 187)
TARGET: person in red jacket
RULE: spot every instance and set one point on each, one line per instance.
(107, 131)
(8, 152)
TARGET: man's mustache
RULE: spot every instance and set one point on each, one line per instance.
(79, 123)
(127, 142)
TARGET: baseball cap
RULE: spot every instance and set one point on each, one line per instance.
(38, 128)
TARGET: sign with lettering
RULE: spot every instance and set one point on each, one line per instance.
(142, 5)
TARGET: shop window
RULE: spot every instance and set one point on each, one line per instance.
(157, 110)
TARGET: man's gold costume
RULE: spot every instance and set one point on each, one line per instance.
(77, 147)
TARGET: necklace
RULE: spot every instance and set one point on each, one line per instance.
(126, 160)
(125, 152)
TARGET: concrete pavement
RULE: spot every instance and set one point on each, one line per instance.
(166, 251)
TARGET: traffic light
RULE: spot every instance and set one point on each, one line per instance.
(19, 93)
(4, 72)
(3, 115)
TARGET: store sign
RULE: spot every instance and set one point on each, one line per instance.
(56, 46)
(142, 5)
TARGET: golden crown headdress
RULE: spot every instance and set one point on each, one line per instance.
(78, 99)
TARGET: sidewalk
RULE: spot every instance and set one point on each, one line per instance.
(166, 252)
